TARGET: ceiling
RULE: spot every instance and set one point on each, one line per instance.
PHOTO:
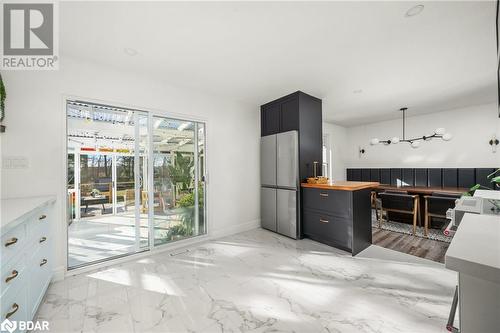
(364, 59)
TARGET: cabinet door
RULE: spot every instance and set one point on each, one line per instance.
(289, 115)
(270, 119)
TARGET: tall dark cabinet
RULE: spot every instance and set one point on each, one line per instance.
(302, 112)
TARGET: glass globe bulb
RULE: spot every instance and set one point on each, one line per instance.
(395, 140)
(447, 136)
(374, 141)
(440, 131)
(415, 144)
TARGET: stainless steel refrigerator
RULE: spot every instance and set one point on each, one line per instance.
(279, 169)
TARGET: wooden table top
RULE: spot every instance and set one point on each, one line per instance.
(342, 185)
(424, 190)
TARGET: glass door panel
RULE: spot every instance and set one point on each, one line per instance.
(176, 196)
(96, 185)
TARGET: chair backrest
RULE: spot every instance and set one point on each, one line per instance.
(438, 203)
(398, 201)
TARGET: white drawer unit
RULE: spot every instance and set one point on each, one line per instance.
(26, 252)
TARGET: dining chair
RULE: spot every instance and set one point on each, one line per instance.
(400, 202)
(436, 205)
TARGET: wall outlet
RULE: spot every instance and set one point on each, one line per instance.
(15, 162)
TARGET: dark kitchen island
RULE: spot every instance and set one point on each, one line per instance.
(338, 214)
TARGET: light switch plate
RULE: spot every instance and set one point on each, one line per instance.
(15, 162)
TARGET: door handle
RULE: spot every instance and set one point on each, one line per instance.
(43, 239)
(11, 241)
(15, 307)
(12, 276)
(42, 217)
(43, 262)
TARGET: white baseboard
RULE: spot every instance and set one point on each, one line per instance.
(58, 273)
(231, 230)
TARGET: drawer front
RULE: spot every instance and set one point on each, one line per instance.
(13, 242)
(331, 229)
(38, 224)
(40, 274)
(336, 203)
(13, 272)
(14, 304)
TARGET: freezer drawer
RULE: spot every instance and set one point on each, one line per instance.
(287, 212)
(287, 168)
(268, 160)
(268, 208)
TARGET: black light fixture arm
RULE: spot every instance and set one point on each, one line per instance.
(438, 133)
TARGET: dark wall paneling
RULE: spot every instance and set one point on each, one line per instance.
(408, 177)
(420, 177)
(356, 174)
(375, 175)
(450, 177)
(435, 178)
(365, 175)
(466, 177)
(396, 177)
(349, 174)
(481, 177)
(385, 176)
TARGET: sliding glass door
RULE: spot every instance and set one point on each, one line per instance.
(135, 181)
(178, 187)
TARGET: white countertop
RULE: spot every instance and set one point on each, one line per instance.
(14, 210)
(475, 248)
(487, 194)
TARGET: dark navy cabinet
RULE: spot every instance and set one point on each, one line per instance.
(301, 112)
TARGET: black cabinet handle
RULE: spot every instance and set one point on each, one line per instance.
(42, 217)
(43, 262)
(43, 239)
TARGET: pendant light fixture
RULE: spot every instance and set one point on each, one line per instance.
(414, 142)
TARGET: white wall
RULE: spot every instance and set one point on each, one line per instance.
(337, 137)
(35, 129)
(472, 128)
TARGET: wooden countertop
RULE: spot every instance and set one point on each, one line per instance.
(342, 185)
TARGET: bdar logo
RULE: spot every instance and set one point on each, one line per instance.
(8, 325)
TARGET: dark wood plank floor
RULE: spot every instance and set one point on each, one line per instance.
(417, 246)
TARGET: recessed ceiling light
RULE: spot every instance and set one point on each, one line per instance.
(130, 51)
(357, 91)
(415, 10)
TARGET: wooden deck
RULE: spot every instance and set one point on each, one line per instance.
(417, 246)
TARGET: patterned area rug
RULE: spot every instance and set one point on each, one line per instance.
(434, 234)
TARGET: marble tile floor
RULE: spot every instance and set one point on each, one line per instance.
(256, 281)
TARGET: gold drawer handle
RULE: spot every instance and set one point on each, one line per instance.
(11, 241)
(15, 307)
(43, 239)
(43, 262)
(323, 221)
(323, 194)
(42, 217)
(12, 276)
